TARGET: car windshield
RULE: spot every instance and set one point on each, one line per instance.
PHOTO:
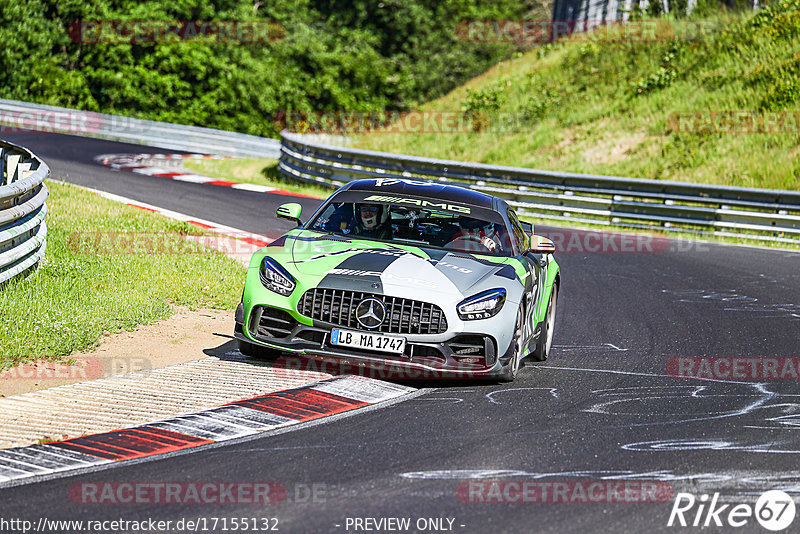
(474, 233)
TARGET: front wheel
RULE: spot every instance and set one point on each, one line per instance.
(545, 341)
(257, 351)
(512, 367)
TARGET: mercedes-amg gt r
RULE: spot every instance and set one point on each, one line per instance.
(436, 280)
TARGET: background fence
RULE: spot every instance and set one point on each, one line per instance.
(23, 231)
(586, 14)
(763, 214)
(38, 117)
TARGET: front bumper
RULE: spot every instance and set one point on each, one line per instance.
(467, 355)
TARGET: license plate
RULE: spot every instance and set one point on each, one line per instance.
(368, 341)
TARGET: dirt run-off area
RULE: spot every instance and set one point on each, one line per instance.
(186, 335)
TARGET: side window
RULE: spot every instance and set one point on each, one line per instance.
(519, 235)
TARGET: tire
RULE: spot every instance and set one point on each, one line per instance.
(511, 369)
(257, 351)
(545, 341)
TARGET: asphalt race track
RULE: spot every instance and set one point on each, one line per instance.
(603, 408)
(71, 159)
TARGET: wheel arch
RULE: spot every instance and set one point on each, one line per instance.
(552, 282)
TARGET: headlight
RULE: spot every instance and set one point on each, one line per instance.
(482, 306)
(276, 278)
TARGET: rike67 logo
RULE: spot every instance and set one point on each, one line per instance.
(774, 510)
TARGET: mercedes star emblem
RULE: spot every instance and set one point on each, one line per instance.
(370, 313)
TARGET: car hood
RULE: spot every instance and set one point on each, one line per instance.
(390, 268)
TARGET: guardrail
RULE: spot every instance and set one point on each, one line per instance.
(589, 13)
(762, 214)
(39, 117)
(23, 231)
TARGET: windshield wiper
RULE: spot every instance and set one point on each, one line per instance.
(335, 237)
(413, 241)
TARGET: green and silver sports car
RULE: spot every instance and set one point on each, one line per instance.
(436, 280)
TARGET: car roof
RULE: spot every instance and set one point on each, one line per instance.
(427, 189)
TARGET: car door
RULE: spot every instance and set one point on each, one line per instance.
(535, 280)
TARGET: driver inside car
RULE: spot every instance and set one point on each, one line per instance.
(372, 220)
(475, 235)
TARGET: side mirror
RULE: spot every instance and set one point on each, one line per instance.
(527, 228)
(542, 245)
(290, 211)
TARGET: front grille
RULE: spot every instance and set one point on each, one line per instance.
(271, 322)
(403, 316)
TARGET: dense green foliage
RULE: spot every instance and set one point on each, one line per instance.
(362, 55)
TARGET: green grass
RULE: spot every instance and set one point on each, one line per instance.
(259, 171)
(78, 295)
(605, 107)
